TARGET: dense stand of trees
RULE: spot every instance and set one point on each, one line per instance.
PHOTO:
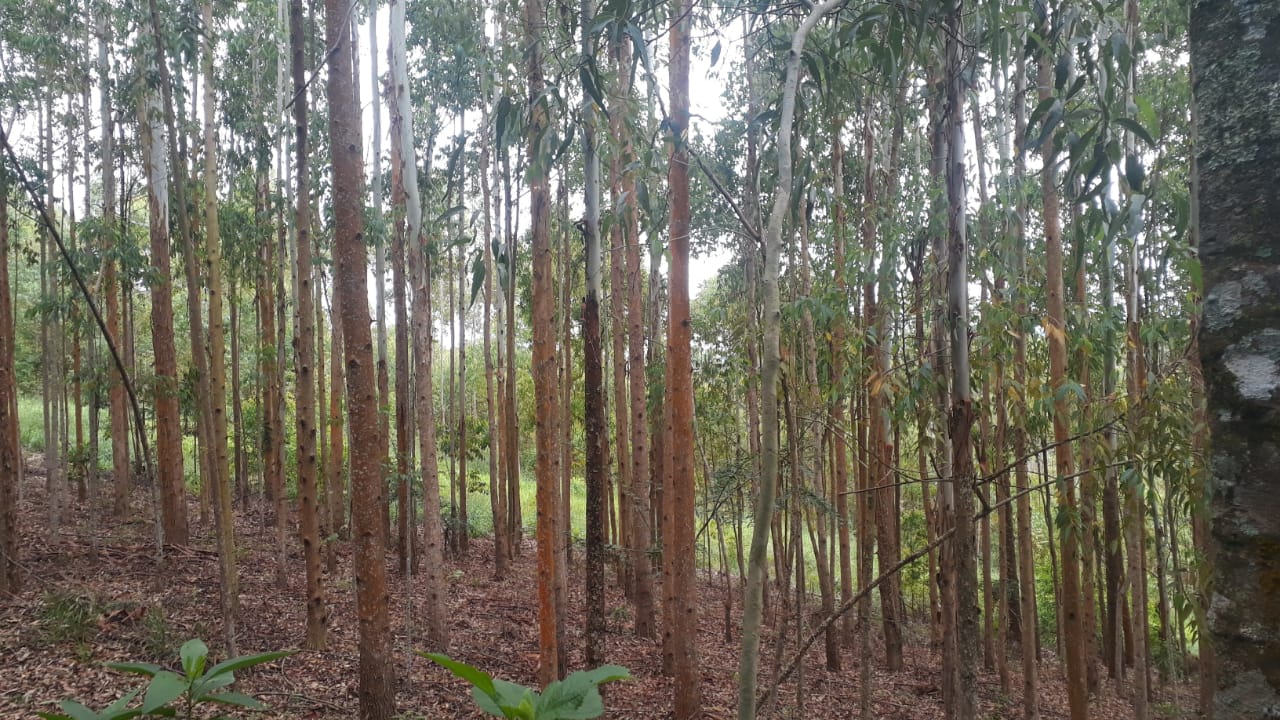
(950, 357)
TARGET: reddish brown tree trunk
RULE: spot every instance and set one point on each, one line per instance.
(377, 675)
(681, 621)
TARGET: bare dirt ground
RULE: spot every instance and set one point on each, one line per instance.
(105, 587)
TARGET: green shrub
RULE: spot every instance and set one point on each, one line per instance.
(169, 694)
(577, 697)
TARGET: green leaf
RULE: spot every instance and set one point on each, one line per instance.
(511, 696)
(641, 49)
(603, 674)
(590, 83)
(560, 702)
(1137, 129)
(117, 708)
(205, 685)
(477, 278)
(245, 661)
(480, 679)
(194, 653)
(237, 699)
(76, 711)
(501, 116)
(715, 54)
(165, 687)
(487, 703)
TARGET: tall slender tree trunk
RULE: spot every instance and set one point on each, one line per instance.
(679, 541)
(221, 480)
(1056, 333)
(404, 395)
(240, 470)
(497, 495)
(403, 503)
(543, 368)
(121, 480)
(420, 274)
(964, 482)
(619, 291)
(377, 674)
(305, 344)
(593, 395)
(639, 509)
(179, 178)
(10, 450)
(168, 414)
(757, 568)
(1202, 489)
(1026, 558)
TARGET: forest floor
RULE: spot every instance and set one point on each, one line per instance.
(76, 613)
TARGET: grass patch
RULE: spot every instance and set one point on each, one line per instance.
(68, 617)
(31, 423)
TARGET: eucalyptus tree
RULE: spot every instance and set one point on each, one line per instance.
(305, 334)
(110, 236)
(10, 450)
(680, 611)
(593, 396)
(963, 478)
(407, 197)
(446, 75)
(770, 366)
(168, 413)
(1235, 72)
(377, 674)
(179, 182)
(220, 480)
(543, 361)
(631, 408)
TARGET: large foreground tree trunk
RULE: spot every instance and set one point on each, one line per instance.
(377, 674)
(1237, 73)
(543, 356)
(681, 619)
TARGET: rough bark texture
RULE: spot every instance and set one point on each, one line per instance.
(679, 542)
(121, 480)
(618, 128)
(10, 453)
(305, 347)
(377, 675)
(1026, 557)
(1056, 334)
(640, 526)
(178, 166)
(437, 629)
(546, 387)
(173, 506)
(1235, 50)
(221, 476)
(961, 419)
(593, 396)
